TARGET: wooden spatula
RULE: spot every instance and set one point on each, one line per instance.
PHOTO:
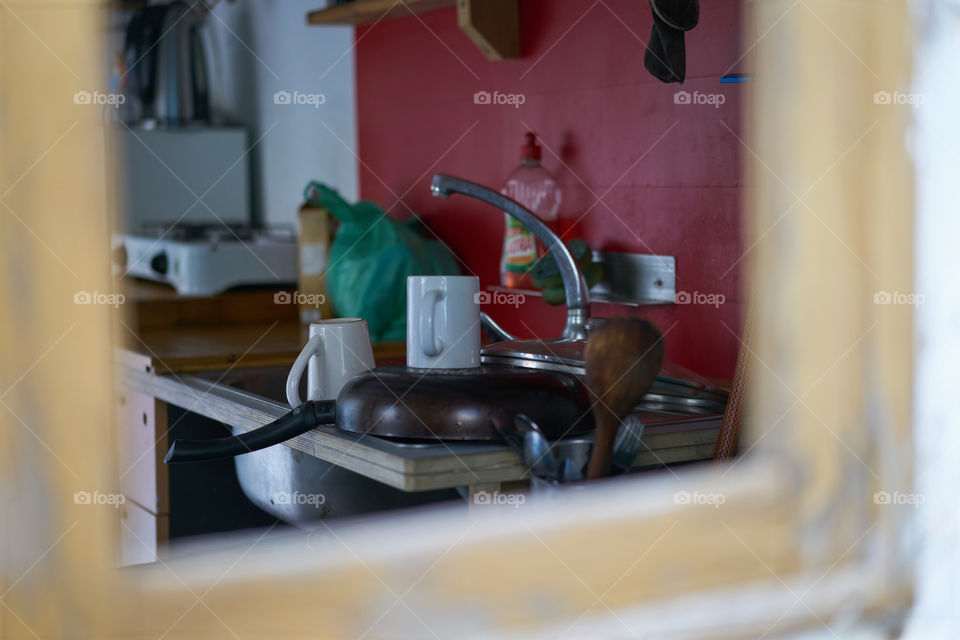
(622, 359)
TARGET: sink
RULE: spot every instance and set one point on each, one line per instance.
(299, 489)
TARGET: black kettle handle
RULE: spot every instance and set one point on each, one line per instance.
(305, 417)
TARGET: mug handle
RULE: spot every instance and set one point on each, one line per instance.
(314, 347)
(429, 343)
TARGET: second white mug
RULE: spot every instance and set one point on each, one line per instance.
(337, 350)
(443, 322)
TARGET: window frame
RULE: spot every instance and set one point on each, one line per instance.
(799, 536)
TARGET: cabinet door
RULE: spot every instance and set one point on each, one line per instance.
(142, 438)
(143, 478)
(142, 534)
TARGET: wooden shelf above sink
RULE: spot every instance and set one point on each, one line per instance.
(366, 11)
(492, 25)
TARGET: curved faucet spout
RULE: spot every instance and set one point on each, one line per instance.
(577, 297)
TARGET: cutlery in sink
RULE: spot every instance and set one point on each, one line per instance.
(627, 445)
(525, 437)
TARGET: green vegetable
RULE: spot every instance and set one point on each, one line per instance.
(592, 273)
(555, 295)
(545, 274)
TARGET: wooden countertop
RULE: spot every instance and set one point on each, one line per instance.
(207, 348)
(235, 329)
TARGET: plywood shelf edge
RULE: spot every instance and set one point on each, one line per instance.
(493, 25)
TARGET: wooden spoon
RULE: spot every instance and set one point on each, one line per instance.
(622, 359)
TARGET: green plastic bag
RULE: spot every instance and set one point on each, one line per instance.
(370, 259)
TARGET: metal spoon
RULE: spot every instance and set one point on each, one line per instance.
(627, 445)
(569, 472)
(539, 457)
(525, 437)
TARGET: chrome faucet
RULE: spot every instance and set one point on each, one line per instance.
(577, 296)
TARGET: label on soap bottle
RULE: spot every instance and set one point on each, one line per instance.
(519, 247)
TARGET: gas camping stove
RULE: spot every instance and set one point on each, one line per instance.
(205, 259)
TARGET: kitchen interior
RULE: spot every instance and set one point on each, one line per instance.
(272, 189)
(495, 318)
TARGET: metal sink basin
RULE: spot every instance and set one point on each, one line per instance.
(300, 489)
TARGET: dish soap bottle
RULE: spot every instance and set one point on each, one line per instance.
(535, 188)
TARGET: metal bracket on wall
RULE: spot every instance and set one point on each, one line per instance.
(631, 279)
(635, 279)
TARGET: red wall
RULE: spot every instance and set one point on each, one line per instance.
(668, 175)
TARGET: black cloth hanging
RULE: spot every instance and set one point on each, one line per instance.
(666, 56)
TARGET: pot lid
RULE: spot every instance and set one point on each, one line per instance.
(567, 356)
(562, 353)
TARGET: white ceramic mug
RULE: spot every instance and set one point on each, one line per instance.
(337, 350)
(443, 322)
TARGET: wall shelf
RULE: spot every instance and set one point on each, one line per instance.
(492, 25)
(367, 11)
